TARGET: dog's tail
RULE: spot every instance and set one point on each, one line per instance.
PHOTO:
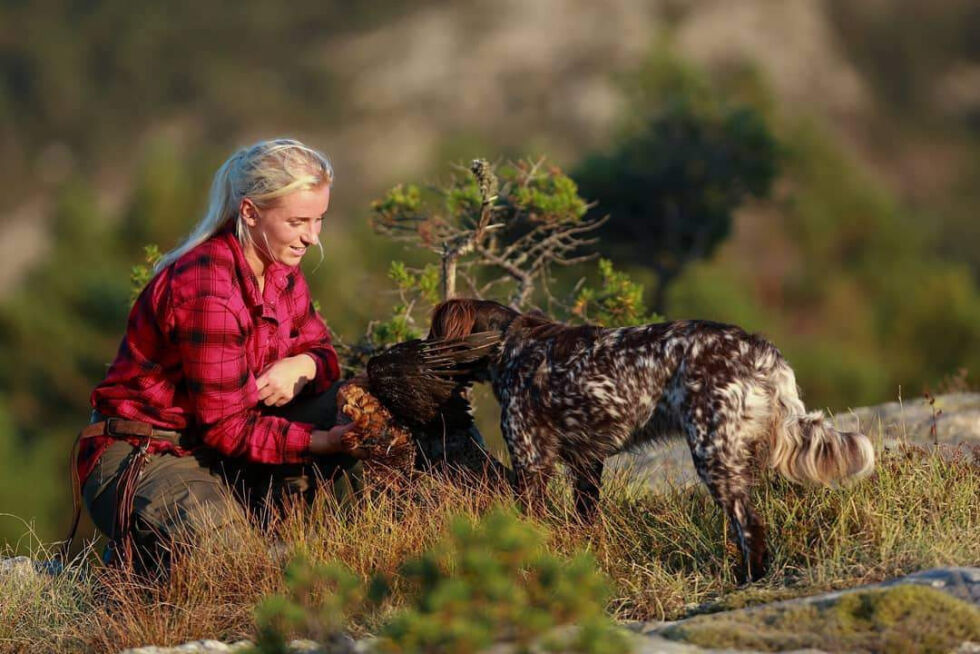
(805, 446)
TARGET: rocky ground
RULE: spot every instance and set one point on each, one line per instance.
(963, 584)
(951, 421)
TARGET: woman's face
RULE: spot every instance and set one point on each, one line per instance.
(286, 229)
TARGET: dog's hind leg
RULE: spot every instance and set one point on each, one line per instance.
(724, 466)
(588, 480)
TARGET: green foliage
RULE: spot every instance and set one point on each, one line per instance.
(506, 227)
(546, 198)
(399, 201)
(141, 274)
(496, 230)
(618, 302)
(97, 77)
(400, 327)
(414, 285)
(496, 581)
(492, 581)
(28, 518)
(320, 599)
(679, 171)
(60, 329)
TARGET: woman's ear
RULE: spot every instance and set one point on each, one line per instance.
(248, 212)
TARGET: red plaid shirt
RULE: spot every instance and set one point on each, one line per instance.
(198, 335)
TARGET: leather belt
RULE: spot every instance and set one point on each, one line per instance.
(120, 428)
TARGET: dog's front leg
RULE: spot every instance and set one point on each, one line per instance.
(531, 488)
(533, 464)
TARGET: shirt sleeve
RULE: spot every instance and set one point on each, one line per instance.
(313, 338)
(222, 390)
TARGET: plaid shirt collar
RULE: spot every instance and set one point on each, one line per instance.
(278, 278)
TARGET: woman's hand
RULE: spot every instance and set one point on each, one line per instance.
(281, 381)
(332, 442)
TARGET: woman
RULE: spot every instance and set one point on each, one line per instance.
(226, 375)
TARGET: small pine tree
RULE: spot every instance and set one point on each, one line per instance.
(498, 234)
(495, 581)
(490, 582)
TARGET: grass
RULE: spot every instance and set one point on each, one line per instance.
(665, 554)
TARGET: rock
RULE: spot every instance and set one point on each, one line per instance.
(956, 417)
(18, 565)
(761, 624)
(203, 646)
(963, 583)
(24, 567)
(342, 645)
(654, 644)
(195, 647)
(662, 465)
(910, 421)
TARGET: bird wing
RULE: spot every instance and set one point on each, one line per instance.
(415, 378)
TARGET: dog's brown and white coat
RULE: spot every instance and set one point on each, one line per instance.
(582, 394)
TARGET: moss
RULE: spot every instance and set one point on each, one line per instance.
(744, 598)
(904, 618)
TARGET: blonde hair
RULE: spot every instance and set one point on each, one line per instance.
(262, 172)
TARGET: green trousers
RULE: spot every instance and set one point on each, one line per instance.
(176, 496)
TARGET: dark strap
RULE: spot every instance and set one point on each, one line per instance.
(125, 494)
(120, 429)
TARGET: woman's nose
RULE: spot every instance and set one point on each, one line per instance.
(312, 235)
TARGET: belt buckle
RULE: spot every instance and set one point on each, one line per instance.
(110, 427)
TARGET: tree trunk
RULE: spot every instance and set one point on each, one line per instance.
(448, 275)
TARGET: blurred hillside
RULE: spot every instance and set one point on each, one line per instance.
(859, 263)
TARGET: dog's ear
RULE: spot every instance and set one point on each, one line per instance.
(452, 319)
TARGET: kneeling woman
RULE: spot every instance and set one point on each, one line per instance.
(226, 377)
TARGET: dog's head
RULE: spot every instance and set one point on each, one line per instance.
(469, 318)
(463, 317)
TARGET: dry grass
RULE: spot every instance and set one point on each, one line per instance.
(665, 553)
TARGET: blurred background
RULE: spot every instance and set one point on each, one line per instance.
(806, 168)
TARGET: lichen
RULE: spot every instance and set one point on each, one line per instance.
(905, 618)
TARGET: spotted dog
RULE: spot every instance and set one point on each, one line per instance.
(581, 394)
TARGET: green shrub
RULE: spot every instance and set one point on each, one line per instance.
(321, 596)
(490, 581)
(495, 580)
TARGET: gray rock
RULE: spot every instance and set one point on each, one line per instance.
(963, 583)
(956, 417)
(18, 565)
(218, 647)
(669, 463)
(203, 646)
(194, 647)
(654, 644)
(960, 582)
(28, 567)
